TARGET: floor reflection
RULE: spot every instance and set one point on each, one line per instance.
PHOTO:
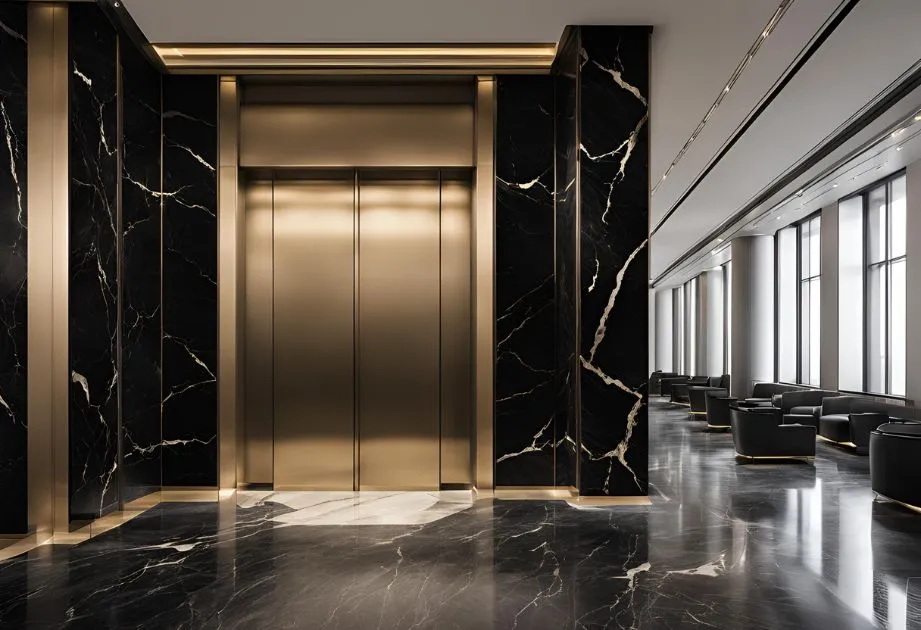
(724, 545)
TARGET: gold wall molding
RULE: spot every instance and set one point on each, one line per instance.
(469, 59)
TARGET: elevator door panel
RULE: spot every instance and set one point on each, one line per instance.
(398, 333)
(314, 334)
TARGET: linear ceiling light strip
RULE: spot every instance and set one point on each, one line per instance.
(733, 78)
(814, 45)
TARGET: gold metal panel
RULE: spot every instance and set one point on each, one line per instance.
(229, 285)
(314, 334)
(336, 136)
(456, 347)
(484, 267)
(342, 59)
(398, 334)
(258, 419)
(48, 250)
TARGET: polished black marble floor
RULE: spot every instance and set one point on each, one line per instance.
(724, 545)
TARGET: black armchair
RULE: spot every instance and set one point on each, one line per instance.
(680, 390)
(758, 433)
(665, 384)
(655, 381)
(718, 411)
(804, 407)
(895, 450)
(697, 394)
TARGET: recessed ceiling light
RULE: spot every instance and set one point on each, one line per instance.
(719, 240)
(835, 185)
(898, 132)
(799, 193)
(918, 118)
(900, 147)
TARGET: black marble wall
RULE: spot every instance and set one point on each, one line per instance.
(524, 282)
(613, 218)
(140, 274)
(93, 264)
(566, 145)
(189, 402)
(13, 215)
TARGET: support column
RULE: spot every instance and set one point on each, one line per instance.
(664, 324)
(752, 312)
(913, 285)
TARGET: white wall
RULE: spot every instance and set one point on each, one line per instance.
(663, 330)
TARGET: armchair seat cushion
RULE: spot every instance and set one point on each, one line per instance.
(806, 410)
(835, 427)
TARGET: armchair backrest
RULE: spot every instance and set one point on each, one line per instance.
(840, 404)
(805, 398)
(768, 390)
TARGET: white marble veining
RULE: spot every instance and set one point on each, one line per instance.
(360, 508)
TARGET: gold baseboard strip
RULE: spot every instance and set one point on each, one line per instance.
(831, 441)
(609, 501)
(698, 413)
(913, 508)
(190, 495)
(769, 457)
(531, 493)
(725, 427)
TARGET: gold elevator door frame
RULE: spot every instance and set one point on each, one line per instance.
(358, 350)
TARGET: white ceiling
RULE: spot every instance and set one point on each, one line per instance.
(696, 45)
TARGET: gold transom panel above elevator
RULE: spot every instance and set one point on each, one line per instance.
(357, 206)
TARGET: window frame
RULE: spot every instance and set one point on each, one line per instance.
(800, 281)
(886, 262)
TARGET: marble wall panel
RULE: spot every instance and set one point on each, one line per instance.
(525, 437)
(13, 220)
(613, 234)
(189, 280)
(93, 289)
(140, 274)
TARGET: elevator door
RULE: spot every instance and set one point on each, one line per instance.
(358, 331)
(314, 308)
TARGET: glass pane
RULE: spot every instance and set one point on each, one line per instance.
(815, 352)
(850, 294)
(897, 199)
(876, 329)
(690, 351)
(679, 330)
(897, 329)
(786, 305)
(815, 249)
(876, 225)
(805, 346)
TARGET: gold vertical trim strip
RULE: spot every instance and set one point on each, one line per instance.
(230, 234)
(48, 238)
(484, 264)
(40, 260)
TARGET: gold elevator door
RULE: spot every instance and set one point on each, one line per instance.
(358, 331)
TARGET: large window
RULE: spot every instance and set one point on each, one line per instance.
(809, 300)
(885, 282)
(690, 322)
(798, 295)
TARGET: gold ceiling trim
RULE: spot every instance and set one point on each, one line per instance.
(355, 59)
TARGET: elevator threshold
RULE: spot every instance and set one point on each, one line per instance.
(365, 507)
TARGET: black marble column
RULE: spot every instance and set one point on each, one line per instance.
(140, 274)
(189, 280)
(566, 67)
(93, 264)
(13, 215)
(613, 226)
(524, 282)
